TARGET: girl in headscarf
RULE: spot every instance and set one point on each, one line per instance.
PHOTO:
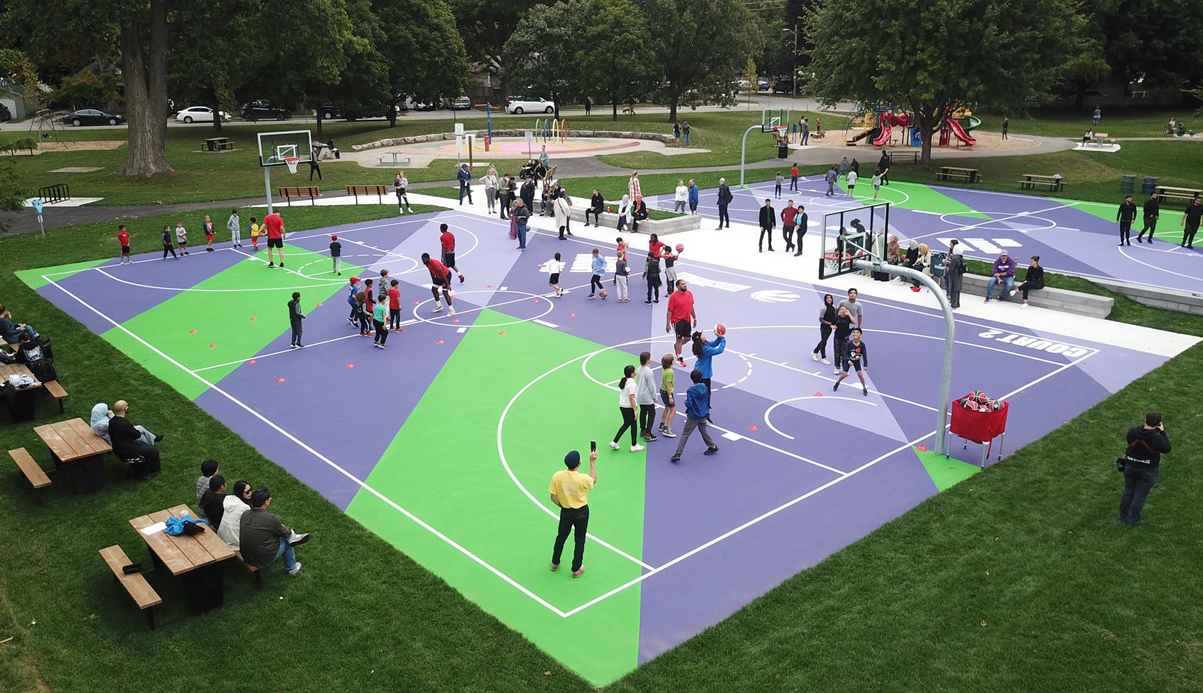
(922, 262)
(100, 425)
(826, 324)
(912, 254)
(893, 251)
(624, 208)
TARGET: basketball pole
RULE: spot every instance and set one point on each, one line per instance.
(743, 153)
(267, 186)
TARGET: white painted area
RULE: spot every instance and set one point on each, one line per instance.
(73, 202)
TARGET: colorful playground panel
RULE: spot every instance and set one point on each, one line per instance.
(444, 444)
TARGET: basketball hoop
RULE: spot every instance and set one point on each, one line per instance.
(292, 162)
(833, 262)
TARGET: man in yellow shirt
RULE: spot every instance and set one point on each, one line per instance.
(570, 490)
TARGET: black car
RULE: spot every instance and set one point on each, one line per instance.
(4, 114)
(783, 86)
(262, 110)
(351, 112)
(91, 116)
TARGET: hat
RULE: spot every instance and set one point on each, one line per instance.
(1004, 251)
(354, 280)
(334, 237)
(572, 460)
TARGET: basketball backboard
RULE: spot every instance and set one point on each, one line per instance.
(275, 148)
(774, 118)
(858, 233)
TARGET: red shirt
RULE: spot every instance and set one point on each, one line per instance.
(794, 172)
(656, 247)
(680, 306)
(394, 299)
(275, 225)
(789, 216)
(448, 241)
(123, 238)
(438, 270)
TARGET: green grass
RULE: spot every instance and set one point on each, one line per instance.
(1115, 122)
(1015, 580)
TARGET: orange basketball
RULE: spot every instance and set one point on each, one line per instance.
(720, 329)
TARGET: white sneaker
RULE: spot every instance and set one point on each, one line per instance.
(636, 448)
(835, 371)
(437, 307)
(814, 356)
(614, 445)
(450, 310)
(295, 570)
(826, 361)
(1023, 306)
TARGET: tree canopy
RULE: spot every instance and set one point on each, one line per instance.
(614, 58)
(541, 53)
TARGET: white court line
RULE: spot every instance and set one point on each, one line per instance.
(360, 482)
(768, 412)
(1159, 269)
(273, 353)
(998, 220)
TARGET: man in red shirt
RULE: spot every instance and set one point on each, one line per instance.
(123, 239)
(394, 306)
(440, 277)
(447, 239)
(275, 237)
(681, 317)
(793, 178)
(789, 220)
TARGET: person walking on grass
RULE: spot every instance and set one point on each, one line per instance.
(852, 176)
(275, 236)
(856, 355)
(1125, 216)
(1190, 222)
(651, 274)
(447, 244)
(123, 243)
(380, 320)
(724, 199)
(1152, 211)
(598, 265)
(464, 176)
(645, 397)
(440, 278)
(570, 492)
(685, 130)
(668, 380)
(777, 181)
(207, 228)
(697, 415)
(181, 237)
(1141, 465)
(167, 246)
(295, 316)
(627, 406)
(768, 221)
(681, 318)
(336, 254)
(677, 133)
(826, 325)
(789, 220)
(793, 178)
(553, 267)
(234, 224)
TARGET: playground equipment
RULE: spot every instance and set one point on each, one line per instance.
(551, 130)
(880, 123)
(48, 126)
(888, 120)
(952, 127)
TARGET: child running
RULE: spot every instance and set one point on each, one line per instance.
(554, 266)
(254, 235)
(440, 277)
(123, 241)
(167, 246)
(336, 254)
(598, 266)
(447, 239)
(207, 228)
(668, 381)
(379, 321)
(856, 355)
(181, 237)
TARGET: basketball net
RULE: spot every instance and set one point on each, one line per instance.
(292, 162)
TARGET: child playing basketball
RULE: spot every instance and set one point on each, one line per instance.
(181, 237)
(254, 235)
(598, 265)
(668, 382)
(856, 355)
(554, 267)
(207, 227)
(440, 278)
(123, 240)
(447, 240)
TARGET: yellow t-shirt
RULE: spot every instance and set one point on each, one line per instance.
(254, 230)
(571, 487)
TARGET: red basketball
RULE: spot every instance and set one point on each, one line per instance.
(720, 329)
(680, 247)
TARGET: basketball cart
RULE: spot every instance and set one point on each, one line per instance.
(980, 427)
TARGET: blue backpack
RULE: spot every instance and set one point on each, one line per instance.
(184, 526)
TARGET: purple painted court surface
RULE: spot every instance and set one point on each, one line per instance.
(803, 471)
(1070, 236)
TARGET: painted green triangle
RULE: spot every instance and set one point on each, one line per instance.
(945, 472)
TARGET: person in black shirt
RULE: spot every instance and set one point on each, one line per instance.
(167, 246)
(1190, 222)
(768, 221)
(638, 214)
(128, 445)
(1152, 211)
(826, 324)
(1034, 279)
(1125, 215)
(213, 502)
(883, 165)
(843, 328)
(1141, 466)
(856, 355)
(597, 205)
(528, 194)
(295, 316)
(724, 198)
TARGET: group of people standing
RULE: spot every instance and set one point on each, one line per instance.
(1126, 215)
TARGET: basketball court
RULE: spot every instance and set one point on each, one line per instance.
(444, 444)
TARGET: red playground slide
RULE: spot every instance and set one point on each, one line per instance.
(887, 120)
(959, 132)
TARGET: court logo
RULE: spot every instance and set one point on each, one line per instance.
(775, 296)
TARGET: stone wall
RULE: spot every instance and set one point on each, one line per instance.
(437, 137)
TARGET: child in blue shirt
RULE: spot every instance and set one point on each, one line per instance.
(598, 266)
(697, 409)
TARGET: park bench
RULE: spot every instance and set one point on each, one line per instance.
(254, 570)
(1099, 139)
(1031, 180)
(57, 392)
(299, 193)
(969, 175)
(135, 584)
(378, 190)
(1048, 297)
(904, 155)
(32, 471)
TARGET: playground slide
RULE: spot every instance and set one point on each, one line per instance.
(872, 132)
(884, 138)
(974, 122)
(959, 132)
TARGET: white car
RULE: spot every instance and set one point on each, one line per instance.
(519, 105)
(198, 114)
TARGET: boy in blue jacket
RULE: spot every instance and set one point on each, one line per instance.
(697, 408)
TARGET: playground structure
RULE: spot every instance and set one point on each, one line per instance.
(879, 124)
(952, 127)
(551, 130)
(48, 126)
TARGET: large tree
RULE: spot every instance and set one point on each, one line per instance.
(1154, 39)
(700, 45)
(485, 26)
(940, 55)
(541, 53)
(207, 72)
(144, 44)
(423, 51)
(615, 56)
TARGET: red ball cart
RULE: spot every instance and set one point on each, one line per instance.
(981, 426)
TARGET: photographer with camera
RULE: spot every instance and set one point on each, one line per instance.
(1141, 465)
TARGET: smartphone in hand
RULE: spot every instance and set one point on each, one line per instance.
(593, 446)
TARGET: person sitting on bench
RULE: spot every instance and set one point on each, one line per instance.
(100, 426)
(128, 444)
(1088, 136)
(264, 538)
(10, 330)
(597, 205)
(36, 358)
(638, 214)
(233, 506)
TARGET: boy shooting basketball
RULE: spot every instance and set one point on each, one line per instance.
(856, 355)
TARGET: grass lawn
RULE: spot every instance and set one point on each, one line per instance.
(1115, 122)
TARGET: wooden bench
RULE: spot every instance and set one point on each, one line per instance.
(1031, 180)
(378, 190)
(900, 156)
(254, 569)
(299, 193)
(32, 471)
(135, 584)
(969, 175)
(57, 392)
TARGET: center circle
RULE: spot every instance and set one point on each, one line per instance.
(439, 320)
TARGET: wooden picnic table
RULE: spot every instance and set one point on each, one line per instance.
(949, 172)
(24, 408)
(1178, 193)
(214, 144)
(1031, 180)
(196, 560)
(76, 449)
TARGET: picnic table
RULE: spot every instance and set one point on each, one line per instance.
(25, 406)
(969, 175)
(196, 560)
(1178, 193)
(1031, 180)
(216, 144)
(76, 449)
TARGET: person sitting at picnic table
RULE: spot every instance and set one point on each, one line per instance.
(100, 426)
(1088, 136)
(212, 504)
(128, 444)
(36, 358)
(1004, 273)
(264, 538)
(11, 331)
(233, 505)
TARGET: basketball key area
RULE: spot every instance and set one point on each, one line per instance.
(444, 444)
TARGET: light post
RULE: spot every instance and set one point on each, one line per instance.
(794, 74)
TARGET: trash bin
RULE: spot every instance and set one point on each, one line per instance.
(1127, 183)
(782, 150)
(1149, 186)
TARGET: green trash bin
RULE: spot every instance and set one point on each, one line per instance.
(1127, 183)
(1149, 185)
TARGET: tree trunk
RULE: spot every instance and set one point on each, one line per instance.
(614, 115)
(146, 93)
(674, 99)
(215, 104)
(1079, 94)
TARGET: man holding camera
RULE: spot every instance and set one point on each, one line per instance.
(570, 491)
(1141, 465)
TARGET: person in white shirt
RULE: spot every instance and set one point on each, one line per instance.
(626, 405)
(680, 197)
(554, 267)
(851, 182)
(563, 212)
(234, 504)
(624, 210)
(490, 183)
(235, 227)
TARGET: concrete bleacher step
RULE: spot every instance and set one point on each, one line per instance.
(1090, 305)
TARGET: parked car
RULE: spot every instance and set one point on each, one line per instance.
(783, 86)
(91, 116)
(4, 114)
(351, 112)
(199, 114)
(411, 104)
(262, 110)
(461, 103)
(762, 84)
(520, 104)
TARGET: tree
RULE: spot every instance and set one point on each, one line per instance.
(423, 51)
(144, 43)
(364, 81)
(484, 27)
(209, 73)
(699, 46)
(989, 53)
(540, 54)
(615, 56)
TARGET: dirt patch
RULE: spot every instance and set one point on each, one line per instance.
(986, 142)
(81, 146)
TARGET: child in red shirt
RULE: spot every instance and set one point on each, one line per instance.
(394, 306)
(123, 239)
(207, 227)
(440, 278)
